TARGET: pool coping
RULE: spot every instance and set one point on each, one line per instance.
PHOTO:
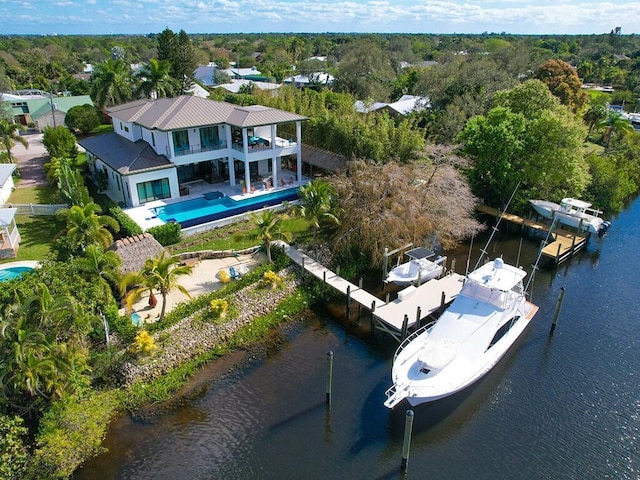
(21, 263)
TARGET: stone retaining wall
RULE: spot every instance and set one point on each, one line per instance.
(189, 338)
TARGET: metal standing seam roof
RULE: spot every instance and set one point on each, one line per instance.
(187, 112)
(125, 156)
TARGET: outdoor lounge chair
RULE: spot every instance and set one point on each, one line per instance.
(233, 273)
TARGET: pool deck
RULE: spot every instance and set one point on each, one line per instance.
(146, 218)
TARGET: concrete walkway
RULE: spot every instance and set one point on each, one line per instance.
(31, 161)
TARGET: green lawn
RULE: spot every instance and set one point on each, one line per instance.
(36, 233)
(237, 236)
(35, 195)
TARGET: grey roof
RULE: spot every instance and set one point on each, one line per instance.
(6, 170)
(123, 155)
(186, 112)
(136, 250)
(256, 115)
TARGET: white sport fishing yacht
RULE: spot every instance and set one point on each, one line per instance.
(468, 339)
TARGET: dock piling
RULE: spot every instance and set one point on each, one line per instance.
(557, 311)
(406, 444)
(373, 311)
(405, 326)
(348, 301)
(329, 376)
(418, 317)
(443, 300)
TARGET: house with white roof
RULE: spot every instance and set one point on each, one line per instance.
(159, 146)
(405, 105)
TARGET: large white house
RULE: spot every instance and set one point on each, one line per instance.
(159, 146)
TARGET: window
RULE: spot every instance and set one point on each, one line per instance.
(153, 139)
(181, 142)
(209, 137)
(153, 190)
(126, 129)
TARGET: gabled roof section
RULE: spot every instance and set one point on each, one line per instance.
(123, 155)
(256, 115)
(39, 107)
(184, 112)
(6, 170)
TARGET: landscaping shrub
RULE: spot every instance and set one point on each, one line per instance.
(167, 234)
(70, 433)
(128, 227)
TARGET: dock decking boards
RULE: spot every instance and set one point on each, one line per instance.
(388, 317)
(564, 243)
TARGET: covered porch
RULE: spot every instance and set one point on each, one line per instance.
(9, 234)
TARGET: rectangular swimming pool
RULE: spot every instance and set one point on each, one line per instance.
(207, 209)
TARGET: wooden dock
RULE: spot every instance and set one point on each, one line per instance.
(564, 244)
(413, 307)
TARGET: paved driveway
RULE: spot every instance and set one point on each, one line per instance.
(30, 161)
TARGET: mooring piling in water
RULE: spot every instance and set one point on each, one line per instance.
(329, 376)
(557, 311)
(406, 444)
(405, 326)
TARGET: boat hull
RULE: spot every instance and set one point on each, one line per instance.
(413, 272)
(460, 374)
(582, 221)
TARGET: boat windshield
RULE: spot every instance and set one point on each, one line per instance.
(483, 293)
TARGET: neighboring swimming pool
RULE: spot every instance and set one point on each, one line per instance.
(9, 273)
(202, 210)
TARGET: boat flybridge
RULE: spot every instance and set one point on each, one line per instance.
(574, 213)
(468, 339)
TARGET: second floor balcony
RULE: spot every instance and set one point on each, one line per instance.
(189, 150)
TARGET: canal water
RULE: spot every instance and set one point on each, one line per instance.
(565, 406)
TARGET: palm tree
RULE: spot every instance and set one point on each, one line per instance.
(84, 226)
(161, 273)
(42, 337)
(316, 205)
(9, 136)
(104, 265)
(615, 123)
(268, 228)
(111, 83)
(155, 80)
(594, 116)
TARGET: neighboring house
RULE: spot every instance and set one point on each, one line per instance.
(6, 181)
(159, 146)
(9, 234)
(43, 110)
(198, 91)
(136, 250)
(234, 86)
(205, 74)
(248, 73)
(405, 105)
(317, 78)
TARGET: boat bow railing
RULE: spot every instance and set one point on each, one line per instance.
(412, 337)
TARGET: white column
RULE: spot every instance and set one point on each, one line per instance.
(245, 150)
(274, 171)
(299, 150)
(273, 136)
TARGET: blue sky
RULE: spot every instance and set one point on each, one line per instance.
(254, 16)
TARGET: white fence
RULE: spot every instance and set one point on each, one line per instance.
(35, 209)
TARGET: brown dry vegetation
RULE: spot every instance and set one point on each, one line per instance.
(389, 205)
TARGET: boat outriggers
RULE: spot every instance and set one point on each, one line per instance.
(469, 338)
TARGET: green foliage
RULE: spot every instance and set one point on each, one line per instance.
(9, 136)
(70, 433)
(59, 142)
(610, 185)
(528, 138)
(111, 83)
(128, 227)
(168, 234)
(218, 307)
(13, 449)
(84, 226)
(84, 118)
